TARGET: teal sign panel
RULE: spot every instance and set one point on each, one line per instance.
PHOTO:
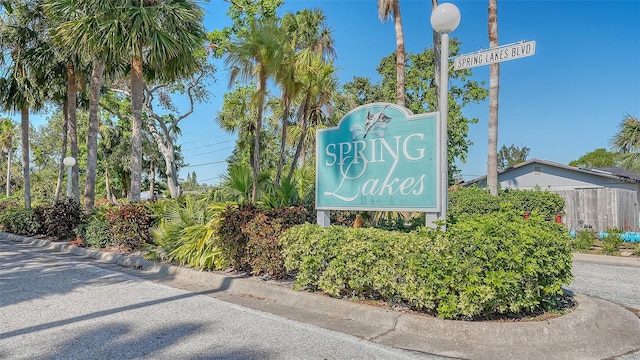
(380, 157)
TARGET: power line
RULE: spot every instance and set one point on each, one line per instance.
(209, 163)
(211, 152)
(208, 145)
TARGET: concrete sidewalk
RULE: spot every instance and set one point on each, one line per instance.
(597, 329)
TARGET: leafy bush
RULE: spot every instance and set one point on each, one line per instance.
(612, 241)
(97, 234)
(130, 225)
(483, 265)
(527, 201)
(20, 221)
(7, 203)
(229, 235)
(264, 252)
(584, 240)
(471, 200)
(60, 219)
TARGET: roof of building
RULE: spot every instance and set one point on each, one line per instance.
(614, 172)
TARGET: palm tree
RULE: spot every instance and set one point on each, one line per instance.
(256, 55)
(309, 35)
(627, 142)
(385, 9)
(319, 85)
(7, 133)
(494, 87)
(20, 88)
(78, 32)
(158, 38)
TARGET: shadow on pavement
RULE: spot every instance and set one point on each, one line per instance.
(112, 342)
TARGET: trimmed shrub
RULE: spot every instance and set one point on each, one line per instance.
(546, 203)
(471, 200)
(483, 265)
(232, 240)
(248, 236)
(264, 253)
(60, 219)
(97, 234)
(20, 221)
(130, 225)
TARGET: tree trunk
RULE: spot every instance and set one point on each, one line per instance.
(73, 128)
(262, 84)
(63, 152)
(24, 127)
(400, 55)
(107, 182)
(494, 87)
(283, 141)
(152, 182)
(165, 145)
(172, 176)
(137, 95)
(303, 134)
(92, 135)
(9, 169)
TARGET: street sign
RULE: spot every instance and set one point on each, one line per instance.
(494, 55)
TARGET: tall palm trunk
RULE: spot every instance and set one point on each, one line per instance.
(63, 152)
(303, 135)
(494, 87)
(9, 167)
(261, 89)
(283, 140)
(92, 135)
(73, 127)
(136, 127)
(24, 127)
(152, 181)
(400, 55)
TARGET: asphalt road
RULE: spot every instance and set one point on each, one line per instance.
(59, 306)
(617, 283)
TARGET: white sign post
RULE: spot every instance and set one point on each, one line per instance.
(494, 55)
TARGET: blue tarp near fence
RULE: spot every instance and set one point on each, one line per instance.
(627, 236)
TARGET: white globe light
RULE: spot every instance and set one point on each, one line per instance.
(69, 161)
(445, 18)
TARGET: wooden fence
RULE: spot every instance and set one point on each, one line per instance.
(600, 209)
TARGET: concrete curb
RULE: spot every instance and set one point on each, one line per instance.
(606, 259)
(597, 329)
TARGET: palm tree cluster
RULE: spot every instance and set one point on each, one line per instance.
(296, 54)
(62, 52)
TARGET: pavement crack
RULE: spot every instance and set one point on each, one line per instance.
(392, 329)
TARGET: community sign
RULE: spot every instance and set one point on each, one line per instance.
(380, 157)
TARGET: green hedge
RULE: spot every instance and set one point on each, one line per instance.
(20, 221)
(472, 200)
(484, 265)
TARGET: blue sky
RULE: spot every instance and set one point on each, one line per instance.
(563, 102)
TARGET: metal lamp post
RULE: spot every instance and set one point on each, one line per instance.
(69, 162)
(444, 19)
